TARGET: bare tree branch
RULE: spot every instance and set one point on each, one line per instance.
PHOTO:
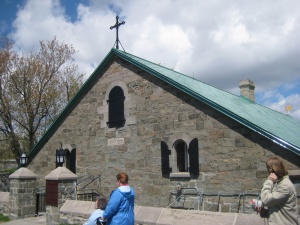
(34, 88)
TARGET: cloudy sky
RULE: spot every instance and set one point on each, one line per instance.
(219, 42)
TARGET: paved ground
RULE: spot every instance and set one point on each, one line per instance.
(206, 218)
(241, 219)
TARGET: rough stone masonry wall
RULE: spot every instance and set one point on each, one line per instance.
(231, 156)
(22, 198)
(4, 181)
(6, 165)
(4, 203)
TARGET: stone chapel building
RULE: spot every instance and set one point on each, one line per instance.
(163, 127)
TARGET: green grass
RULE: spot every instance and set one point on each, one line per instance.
(3, 218)
(11, 170)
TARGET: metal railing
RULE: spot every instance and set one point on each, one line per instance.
(88, 195)
(86, 180)
(197, 196)
(181, 194)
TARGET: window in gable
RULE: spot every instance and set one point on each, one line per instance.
(115, 102)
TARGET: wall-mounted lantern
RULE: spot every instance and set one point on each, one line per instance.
(60, 156)
(23, 160)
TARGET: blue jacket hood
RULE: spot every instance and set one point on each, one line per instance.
(126, 191)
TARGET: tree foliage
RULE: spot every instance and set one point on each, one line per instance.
(34, 88)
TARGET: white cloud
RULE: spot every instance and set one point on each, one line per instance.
(289, 25)
(218, 42)
(155, 37)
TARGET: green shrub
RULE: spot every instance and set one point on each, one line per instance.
(4, 218)
(11, 170)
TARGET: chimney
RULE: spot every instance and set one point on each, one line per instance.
(247, 89)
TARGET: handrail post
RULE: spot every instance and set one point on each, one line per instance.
(219, 196)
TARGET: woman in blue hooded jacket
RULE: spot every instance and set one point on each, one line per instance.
(120, 207)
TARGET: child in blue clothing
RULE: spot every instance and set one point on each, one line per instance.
(120, 207)
(100, 205)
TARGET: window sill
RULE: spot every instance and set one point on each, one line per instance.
(180, 175)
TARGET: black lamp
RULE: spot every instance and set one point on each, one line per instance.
(23, 160)
(60, 156)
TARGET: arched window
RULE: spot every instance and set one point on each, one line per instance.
(71, 160)
(181, 161)
(116, 108)
(182, 156)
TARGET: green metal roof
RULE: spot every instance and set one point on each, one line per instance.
(278, 127)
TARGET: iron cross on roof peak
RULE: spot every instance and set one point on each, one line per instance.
(117, 29)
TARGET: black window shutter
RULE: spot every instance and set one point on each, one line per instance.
(111, 116)
(165, 165)
(73, 161)
(194, 158)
